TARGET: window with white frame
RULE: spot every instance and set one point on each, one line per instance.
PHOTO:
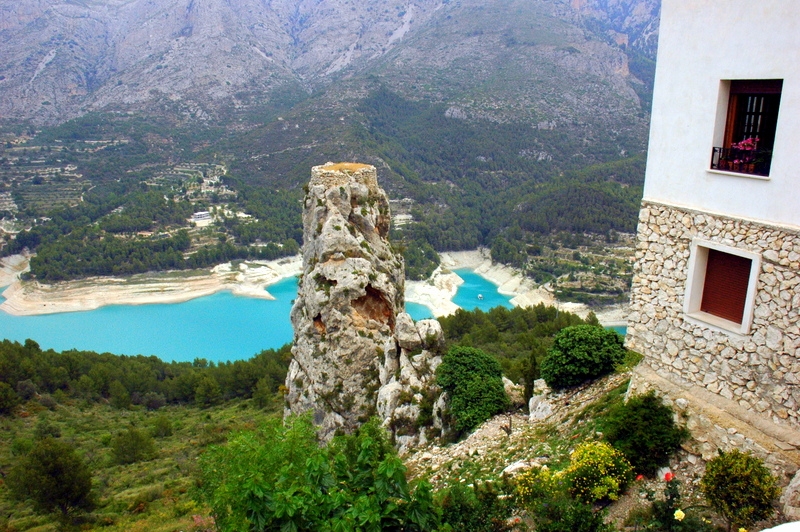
(751, 118)
(721, 286)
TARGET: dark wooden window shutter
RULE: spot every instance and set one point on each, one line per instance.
(725, 288)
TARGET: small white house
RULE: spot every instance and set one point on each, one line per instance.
(715, 298)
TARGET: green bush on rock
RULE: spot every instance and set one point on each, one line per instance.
(644, 430)
(580, 353)
(474, 381)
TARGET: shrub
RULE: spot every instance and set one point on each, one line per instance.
(47, 401)
(580, 353)
(667, 514)
(534, 484)
(561, 513)
(482, 508)
(45, 429)
(162, 427)
(739, 488)
(597, 471)
(474, 381)
(21, 446)
(544, 494)
(26, 389)
(53, 477)
(8, 398)
(279, 478)
(153, 400)
(644, 430)
(131, 446)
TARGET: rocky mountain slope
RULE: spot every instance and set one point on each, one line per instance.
(548, 61)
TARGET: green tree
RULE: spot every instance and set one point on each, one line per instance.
(53, 477)
(131, 446)
(45, 429)
(208, 392)
(474, 381)
(8, 398)
(739, 488)
(580, 353)
(119, 396)
(161, 427)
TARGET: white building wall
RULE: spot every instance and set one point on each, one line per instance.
(701, 44)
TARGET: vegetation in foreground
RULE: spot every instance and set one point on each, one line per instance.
(185, 462)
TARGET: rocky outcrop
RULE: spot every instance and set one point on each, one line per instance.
(356, 353)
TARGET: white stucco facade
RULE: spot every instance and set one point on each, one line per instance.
(715, 296)
(702, 45)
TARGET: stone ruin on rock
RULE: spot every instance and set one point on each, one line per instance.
(356, 353)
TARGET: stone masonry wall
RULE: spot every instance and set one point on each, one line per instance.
(759, 372)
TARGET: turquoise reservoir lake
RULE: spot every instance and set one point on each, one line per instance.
(477, 292)
(220, 327)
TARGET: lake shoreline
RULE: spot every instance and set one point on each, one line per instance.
(252, 279)
(437, 292)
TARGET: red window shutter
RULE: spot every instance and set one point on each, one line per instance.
(725, 288)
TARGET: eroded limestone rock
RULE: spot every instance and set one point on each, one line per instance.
(356, 352)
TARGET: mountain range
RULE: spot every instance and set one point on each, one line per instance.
(549, 62)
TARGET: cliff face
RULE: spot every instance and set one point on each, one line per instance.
(543, 61)
(352, 340)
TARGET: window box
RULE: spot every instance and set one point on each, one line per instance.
(753, 162)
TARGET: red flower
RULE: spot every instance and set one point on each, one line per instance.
(639, 477)
(668, 476)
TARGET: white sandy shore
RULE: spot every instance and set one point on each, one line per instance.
(30, 298)
(437, 292)
(251, 280)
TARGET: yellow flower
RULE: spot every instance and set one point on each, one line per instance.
(679, 515)
(743, 529)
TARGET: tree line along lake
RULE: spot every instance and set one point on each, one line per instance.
(220, 327)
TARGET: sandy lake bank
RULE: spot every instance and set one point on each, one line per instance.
(437, 292)
(252, 278)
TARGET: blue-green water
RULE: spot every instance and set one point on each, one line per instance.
(418, 312)
(621, 329)
(474, 286)
(219, 327)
